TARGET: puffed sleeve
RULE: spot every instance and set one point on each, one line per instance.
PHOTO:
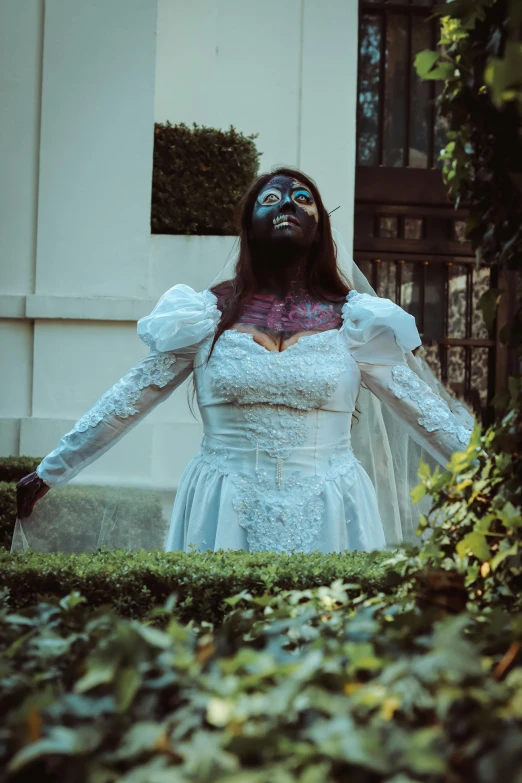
(182, 319)
(378, 334)
(174, 332)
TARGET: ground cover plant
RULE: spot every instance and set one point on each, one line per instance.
(311, 686)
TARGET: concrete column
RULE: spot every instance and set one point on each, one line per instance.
(96, 145)
(328, 105)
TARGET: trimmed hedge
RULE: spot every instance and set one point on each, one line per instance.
(134, 583)
(15, 468)
(7, 513)
(199, 175)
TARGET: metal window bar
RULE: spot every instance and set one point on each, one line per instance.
(382, 87)
(408, 95)
(432, 91)
(467, 348)
(443, 348)
(398, 280)
(384, 10)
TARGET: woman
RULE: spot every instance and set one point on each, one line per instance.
(278, 354)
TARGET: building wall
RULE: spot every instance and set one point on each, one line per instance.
(79, 95)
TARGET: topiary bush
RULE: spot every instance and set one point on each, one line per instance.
(199, 175)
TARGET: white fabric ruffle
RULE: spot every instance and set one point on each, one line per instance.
(377, 331)
(182, 318)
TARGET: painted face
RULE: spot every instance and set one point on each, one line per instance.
(285, 211)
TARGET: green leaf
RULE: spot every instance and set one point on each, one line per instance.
(502, 555)
(488, 303)
(97, 675)
(504, 75)
(127, 684)
(514, 385)
(475, 543)
(424, 470)
(61, 741)
(418, 493)
(72, 600)
(153, 636)
(424, 62)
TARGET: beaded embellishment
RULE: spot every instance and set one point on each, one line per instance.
(153, 370)
(436, 414)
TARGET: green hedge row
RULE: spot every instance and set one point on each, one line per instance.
(15, 468)
(7, 513)
(134, 583)
(199, 175)
(304, 687)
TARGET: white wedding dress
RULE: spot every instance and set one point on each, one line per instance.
(276, 469)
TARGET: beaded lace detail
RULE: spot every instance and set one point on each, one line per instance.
(283, 518)
(436, 414)
(342, 463)
(154, 370)
(274, 389)
(246, 373)
(276, 428)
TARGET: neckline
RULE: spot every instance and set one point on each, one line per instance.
(294, 345)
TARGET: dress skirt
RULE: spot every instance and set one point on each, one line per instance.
(218, 508)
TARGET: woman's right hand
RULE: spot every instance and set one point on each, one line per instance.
(28, 490)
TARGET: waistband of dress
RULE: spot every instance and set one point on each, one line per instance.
(327, 461)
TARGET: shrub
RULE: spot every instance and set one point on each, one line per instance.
(15, 468)
(476, 515)
(136, 582)
(199, 175)
(298, 687)
(7, 513)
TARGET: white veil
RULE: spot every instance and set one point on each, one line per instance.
(380, 441)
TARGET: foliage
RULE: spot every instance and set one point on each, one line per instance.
(80, 510)
(476, 515)
(199, 175)
(480, 62)
(136, 582)
(474, 526)
(311, 686)
(7, 514)
(15, 468)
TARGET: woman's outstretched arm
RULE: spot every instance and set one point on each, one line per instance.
(115, 414)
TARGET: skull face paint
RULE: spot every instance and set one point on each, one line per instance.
(285, 214)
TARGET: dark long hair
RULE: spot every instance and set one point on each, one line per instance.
(323, 278)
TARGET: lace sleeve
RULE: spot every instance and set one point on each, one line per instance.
(115, 414)
(178, 325)
(425, 413)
